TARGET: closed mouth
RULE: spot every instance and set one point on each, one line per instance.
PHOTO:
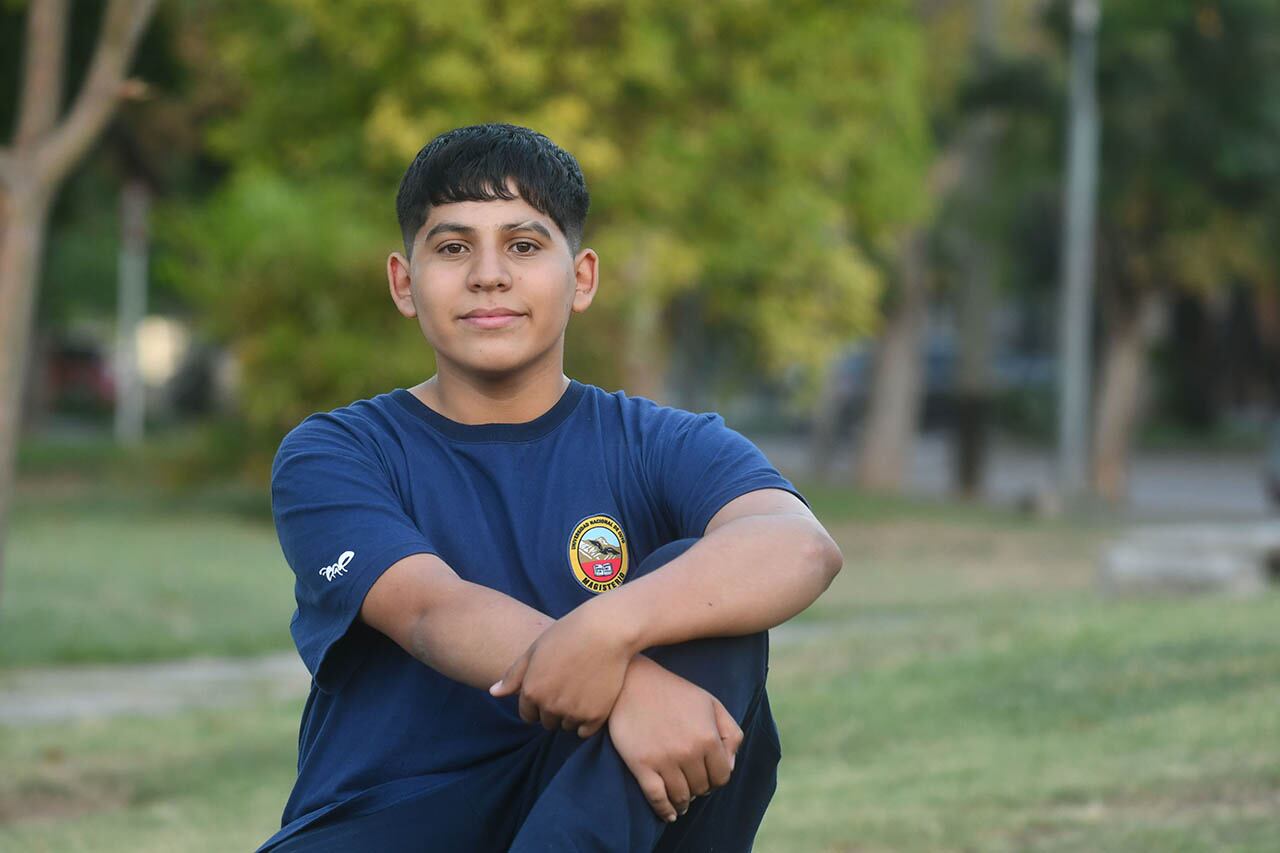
(490, 312)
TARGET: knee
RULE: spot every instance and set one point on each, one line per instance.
(662, 555)
(732, 669)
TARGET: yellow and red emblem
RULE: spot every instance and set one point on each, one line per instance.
(598, 553)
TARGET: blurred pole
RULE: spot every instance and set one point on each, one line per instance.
(1077, 253)
(131, 306)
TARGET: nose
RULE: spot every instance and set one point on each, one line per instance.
(489, 271)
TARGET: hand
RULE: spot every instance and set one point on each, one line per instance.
(570, 676)
(676, 738)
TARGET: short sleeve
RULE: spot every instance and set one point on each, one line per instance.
(341, 525)
(697, 464)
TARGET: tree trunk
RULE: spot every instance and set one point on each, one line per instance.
(1121, 395)
(643, 359)
(971, 414)
(824, 440)
(893, 414)
(22, 227)
(44, 150)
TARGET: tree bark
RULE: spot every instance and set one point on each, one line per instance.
(21, 245)
(643, 359)
(824, 441)
(32, 168)
(977, 288)
(971, 414)
(893, 415)
(1121, 395)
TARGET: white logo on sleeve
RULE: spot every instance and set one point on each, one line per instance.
(338, 568)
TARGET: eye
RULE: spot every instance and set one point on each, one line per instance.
(447, 249)
(525, 247)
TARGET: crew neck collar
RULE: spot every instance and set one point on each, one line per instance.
(527, 431)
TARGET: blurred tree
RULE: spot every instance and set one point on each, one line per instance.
(46, 145)
(1188, 91)
(766, 155)
(955, 37)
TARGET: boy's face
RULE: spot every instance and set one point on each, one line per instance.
(492, 285)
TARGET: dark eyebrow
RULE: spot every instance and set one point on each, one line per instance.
(448, 226)
(459, 228)
(532, 225)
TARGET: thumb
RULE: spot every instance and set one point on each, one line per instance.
(510, 682)
(730, 731)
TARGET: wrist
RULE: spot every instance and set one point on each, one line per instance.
(621, 617)
(639, 670)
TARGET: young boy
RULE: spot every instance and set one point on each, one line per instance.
(534, 611)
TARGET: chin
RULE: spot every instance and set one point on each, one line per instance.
(498, 366)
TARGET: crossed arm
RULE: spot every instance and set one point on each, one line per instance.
(762, 559)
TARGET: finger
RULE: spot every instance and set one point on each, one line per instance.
(730, 731)
(586, 730)
(695, 773)
(655, 791)
(550, 721)
(718, 767)
(569, 724)
(677, 789)
(512, 679)
(529, 710)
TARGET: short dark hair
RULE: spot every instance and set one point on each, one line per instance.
(473, 164)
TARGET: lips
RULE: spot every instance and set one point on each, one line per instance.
(491, 318)
(491, 312)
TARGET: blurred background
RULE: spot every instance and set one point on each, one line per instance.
(995, 281)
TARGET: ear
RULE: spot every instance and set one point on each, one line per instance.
(586, 270)
(401, 284)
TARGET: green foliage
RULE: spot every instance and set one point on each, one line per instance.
(758, 153)
(1190, 144)
(291, 274)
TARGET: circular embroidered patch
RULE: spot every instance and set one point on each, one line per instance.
(598, 553)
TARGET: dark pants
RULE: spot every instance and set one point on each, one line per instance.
(561, 793)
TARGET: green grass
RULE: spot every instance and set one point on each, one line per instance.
(1068, 724)
(960, 687)
(97, 575)
(107, 569)
(209, 781)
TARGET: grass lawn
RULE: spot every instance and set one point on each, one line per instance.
(960, 687)
(94, 574)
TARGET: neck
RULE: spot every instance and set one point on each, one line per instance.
(481, 400)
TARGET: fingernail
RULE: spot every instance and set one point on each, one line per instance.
(671, 818)
(732, 760)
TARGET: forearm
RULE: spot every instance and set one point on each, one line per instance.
(468, 632)
(473, 633)
(747, 575)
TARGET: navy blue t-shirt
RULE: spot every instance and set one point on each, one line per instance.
(551, 512)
